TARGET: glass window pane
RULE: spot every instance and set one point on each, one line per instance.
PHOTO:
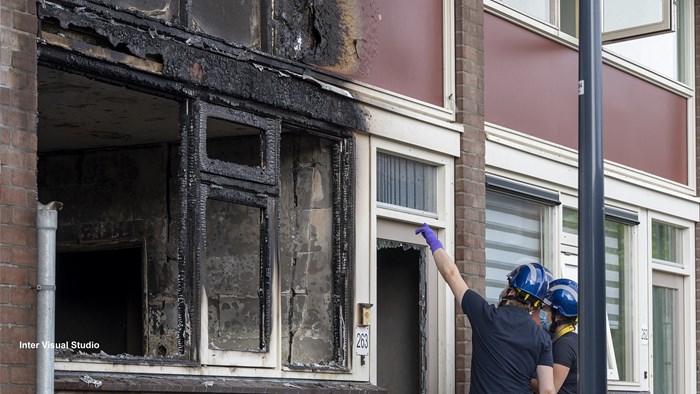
(538, 9)
(306, 250)
(570, 221)
(664, 53)
(665, 243)
(618, 14)
(618, 287)
(666, 341)
(406, 183)
(618, 295)
(568, 17)
(231, 275)
(514, 234)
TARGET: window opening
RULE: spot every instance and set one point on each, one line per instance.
(111, 156)
(313, 313)
(237, 144)
(99, 301)
(231, 276)
(234, 142)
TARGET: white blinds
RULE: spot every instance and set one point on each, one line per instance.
(514, 234)
(406, 183)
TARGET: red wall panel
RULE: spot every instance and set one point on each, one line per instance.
(401, 48)
(531, 83)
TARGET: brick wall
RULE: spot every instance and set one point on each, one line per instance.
(18, 106)
(470, 198)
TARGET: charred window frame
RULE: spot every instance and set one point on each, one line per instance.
(341, 257)
(263, 170)
(252, 184)
(241, 22)
(250, 311)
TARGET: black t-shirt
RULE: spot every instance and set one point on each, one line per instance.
(564, 352)
(507, 346)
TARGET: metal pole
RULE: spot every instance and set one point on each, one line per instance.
(46, 224)
(591, 267)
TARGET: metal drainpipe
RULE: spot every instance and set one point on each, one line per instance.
(46, 224)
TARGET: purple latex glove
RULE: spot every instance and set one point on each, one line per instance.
(430, 237)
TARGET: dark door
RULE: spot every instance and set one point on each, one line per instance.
(399, 322)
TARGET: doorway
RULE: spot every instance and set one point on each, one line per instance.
(401, 318)
(99, 300)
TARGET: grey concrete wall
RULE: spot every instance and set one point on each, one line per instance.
(306, 250)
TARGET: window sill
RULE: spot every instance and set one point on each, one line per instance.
(72, 382)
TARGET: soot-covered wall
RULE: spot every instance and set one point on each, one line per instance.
(127, 195)
(121, 196)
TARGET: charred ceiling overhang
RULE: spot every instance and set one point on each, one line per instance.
(83, 37)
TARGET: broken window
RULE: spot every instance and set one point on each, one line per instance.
(311, 199)
(237, 144)
(111, 156)
(222, 135)
(306, 250)
(236, 273)
(179, 210)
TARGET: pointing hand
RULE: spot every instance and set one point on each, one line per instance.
(430, 237)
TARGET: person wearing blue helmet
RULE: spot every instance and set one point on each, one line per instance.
(507, 346)
(559, 316)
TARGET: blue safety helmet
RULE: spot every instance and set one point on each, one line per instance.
(530, 278)
(550, 276)
(562, 297)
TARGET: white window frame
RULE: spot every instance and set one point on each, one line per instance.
(684, 272)
(677, 282)
(682, 237)
(385, 99)
(568, 268)
(665, 24)
(550, 217)
(385, 217)
(553, 31)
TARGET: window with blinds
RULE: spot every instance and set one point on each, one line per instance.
(406, 183)
(617, 281)
(514, 235)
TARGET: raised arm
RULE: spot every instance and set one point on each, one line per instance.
(444, 263)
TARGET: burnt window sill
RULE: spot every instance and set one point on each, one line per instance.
(77, 382)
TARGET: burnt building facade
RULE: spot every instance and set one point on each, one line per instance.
(236, 186)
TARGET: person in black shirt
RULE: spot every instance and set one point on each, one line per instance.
(507, 346)
(559, 316)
